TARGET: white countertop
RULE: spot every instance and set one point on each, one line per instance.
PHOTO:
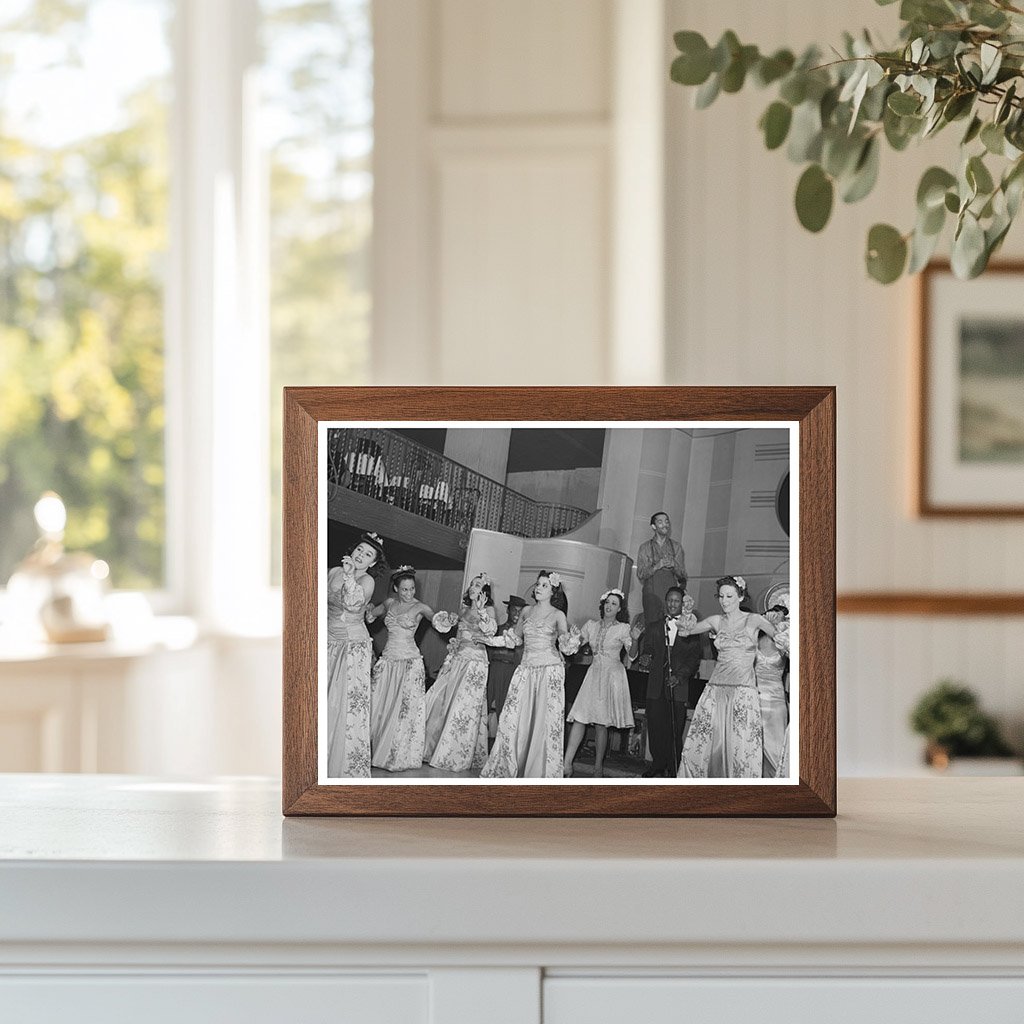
(123, 859)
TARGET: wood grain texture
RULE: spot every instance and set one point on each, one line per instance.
(815, 411)
(910, 603)
(923, 504)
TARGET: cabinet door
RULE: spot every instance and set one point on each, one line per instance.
(205, 999)
(570, 1000)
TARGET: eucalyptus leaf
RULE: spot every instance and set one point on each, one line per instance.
(993, 138)
(794, 88)
(903, 103)
(931, 190)
(771, 69)
(968, 247)
(724, 51)
(991, 60)
(952, 202)
(814, 195)
(708, 92)
(973, 129)
(775, 123)
(978, 175)
(922, 248)
(886, 253)
(865, 174)
(805, 133)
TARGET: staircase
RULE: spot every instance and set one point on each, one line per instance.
(383, 481)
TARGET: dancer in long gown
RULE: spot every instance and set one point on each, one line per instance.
(397, 717)
(531, 729)
(603, 700)
(725, 738)
(769, 671)
(456, 707)
(349, 591)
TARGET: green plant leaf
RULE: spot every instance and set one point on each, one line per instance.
(978, 176)
(775, 124)
(973, 130)
(904, 103)
(952, 202)
(794, 89)
(922, 247)
(865, 173)
(735, 74)
(987, 15)
(887, 253)
(805, 133)
(725, 49)
(771, 69)
(814, 194)
(931, 191)
(707, 93)
(1004, 106)
(968, 255)
(993, 138)
(693, 65)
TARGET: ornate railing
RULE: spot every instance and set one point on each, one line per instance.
(395, 469)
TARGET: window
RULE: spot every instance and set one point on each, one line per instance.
(83, 237)
(134, 148)
(316, 118)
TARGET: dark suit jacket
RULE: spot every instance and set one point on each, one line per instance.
(685, 660)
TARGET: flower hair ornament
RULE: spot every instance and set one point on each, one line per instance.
(554, 579)
(618, 593)
(485, 580)
(403, 570)
(375, 537)
(740, 582)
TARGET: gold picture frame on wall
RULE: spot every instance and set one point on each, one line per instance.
(970, 387)
(351, 480)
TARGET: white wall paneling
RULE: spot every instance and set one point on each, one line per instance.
(752, 298)
(518, 203)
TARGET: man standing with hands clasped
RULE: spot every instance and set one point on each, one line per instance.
(660, 564)
(675, 659)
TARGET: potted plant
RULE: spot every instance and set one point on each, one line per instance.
(955, 62)
(950, 717)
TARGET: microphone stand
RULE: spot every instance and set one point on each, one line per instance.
(669, 690)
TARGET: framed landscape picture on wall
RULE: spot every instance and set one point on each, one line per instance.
(581, 601)
(970, 446)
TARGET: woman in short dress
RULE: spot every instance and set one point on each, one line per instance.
(725, 738)
(349, 591)
(603, 700)
(769, 671)
(531, 729)
(396, 685)
(456, 707)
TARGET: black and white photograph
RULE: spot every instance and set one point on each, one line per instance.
(560, 601)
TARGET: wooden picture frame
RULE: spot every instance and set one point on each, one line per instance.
(807, 412)
(962, 413)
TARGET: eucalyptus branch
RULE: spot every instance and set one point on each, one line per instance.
(834, 116)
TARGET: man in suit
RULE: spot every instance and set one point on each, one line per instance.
(674, 659)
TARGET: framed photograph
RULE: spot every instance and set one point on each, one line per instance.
(970, 450)
(559, 601)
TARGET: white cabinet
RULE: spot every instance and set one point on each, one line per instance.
(201, 999)
(133, 898)
(824, 1000)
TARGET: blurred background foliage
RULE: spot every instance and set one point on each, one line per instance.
(84, 210)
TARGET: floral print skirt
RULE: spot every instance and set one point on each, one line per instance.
(774, 719)
(348, 709)
(397, 714)
(725, 738)
(531, 730)
(455, 735)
